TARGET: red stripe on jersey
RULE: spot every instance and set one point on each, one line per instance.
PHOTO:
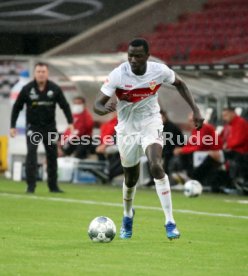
(136, 95)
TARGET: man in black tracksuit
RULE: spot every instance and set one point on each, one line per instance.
(40, 97)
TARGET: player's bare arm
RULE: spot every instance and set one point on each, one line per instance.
(186, 94)
(102, 107)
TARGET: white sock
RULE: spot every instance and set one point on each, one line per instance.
(128, 197)
(164, 194)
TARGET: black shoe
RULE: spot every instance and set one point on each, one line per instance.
(56, 191)
(30, 191)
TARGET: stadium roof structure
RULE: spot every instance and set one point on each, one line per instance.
(57, 17)
(87, 73)
(215, 84)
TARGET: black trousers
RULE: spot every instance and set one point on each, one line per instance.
(34, 138)
(80, 151)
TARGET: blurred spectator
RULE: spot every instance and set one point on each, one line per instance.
(107, 130)
(235, 132)
(107, 150)
(205, 141)
(170, 130)
(71, 143)
(235, 145)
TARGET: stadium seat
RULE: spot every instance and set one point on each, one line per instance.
(217, 32)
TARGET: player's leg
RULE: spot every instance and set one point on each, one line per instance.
(128, 191)
(154, 155)
(130, 154)
(131, 176)
(52, 167)
(31, 162)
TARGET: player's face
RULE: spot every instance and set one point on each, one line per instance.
(41, 74)
(137, 58)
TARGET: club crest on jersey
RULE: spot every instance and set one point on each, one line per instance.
(152, 85)
(50, 93)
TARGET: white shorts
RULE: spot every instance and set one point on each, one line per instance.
(133, 146)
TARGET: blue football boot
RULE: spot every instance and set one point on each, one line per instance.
(171, 231)
(127, 227)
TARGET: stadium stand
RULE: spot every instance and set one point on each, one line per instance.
(9, 72)
(137, 19)
(217, 32)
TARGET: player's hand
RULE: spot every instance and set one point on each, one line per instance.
(110, 107)
(198, 120)
(13, 132)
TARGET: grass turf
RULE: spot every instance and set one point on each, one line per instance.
(40, 235)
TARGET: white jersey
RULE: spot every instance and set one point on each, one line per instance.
(137, 94)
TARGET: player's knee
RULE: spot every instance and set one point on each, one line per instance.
(131, 180)
(156, 168)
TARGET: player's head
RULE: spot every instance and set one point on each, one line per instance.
(228, 114)
(41, 72)
(138, 53)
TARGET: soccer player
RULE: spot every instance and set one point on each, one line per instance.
(140, 125)
(40, 96)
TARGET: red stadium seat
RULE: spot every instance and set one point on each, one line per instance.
(217, 32)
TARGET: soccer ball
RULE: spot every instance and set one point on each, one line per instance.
(102, 229)
(192, 188)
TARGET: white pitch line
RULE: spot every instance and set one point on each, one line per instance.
(92, 202)
(237, 201)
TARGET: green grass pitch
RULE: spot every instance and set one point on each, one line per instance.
(46, 234)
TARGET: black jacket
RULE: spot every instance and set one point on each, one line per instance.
(41, 106)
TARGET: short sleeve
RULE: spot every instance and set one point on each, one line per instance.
(111, 83)
(168, 75)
